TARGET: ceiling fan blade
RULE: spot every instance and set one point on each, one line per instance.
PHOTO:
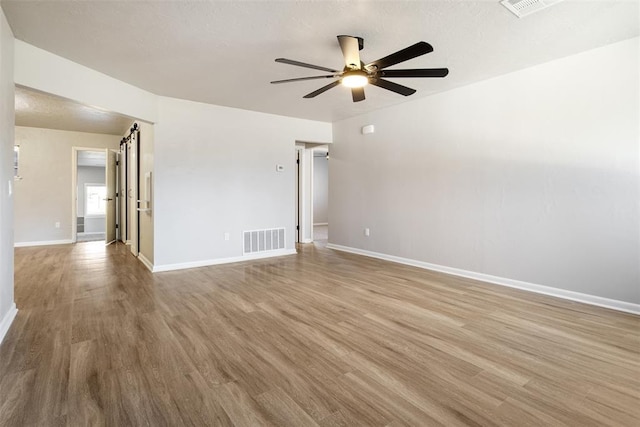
(303, 78)
(405, 54)
(417, 72)
(350, 50)
(393, 87)
(305, 65)
(357, 93)
(322, 89)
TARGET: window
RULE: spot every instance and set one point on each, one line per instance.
(95, 203)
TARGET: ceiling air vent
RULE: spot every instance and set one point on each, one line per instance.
(522, 8)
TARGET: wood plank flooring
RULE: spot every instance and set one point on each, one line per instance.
(317, 339)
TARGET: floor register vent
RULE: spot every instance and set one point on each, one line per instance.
(264, 240)
(522, 8)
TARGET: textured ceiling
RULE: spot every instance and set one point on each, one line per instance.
(222, 52)
(42, 110)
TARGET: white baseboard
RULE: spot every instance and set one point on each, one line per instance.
(145, 261)
(7, 320)
(531, 287)
(320, 223)
(209, 262)
(306, 241)
(42, 243)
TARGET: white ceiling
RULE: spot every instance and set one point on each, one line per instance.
(42, 110)
(222, 52)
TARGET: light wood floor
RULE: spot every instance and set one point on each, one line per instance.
(321, 338)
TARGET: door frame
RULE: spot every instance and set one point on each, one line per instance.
(304, 189)
(304, 193)
(74, 187)
(297, 217)
(113, 193)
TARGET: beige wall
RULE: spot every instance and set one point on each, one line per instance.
(43, 196)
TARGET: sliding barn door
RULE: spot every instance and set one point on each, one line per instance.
(132, 193)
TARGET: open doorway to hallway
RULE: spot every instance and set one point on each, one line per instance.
(321, 195)
(91, 195)
(312, 193)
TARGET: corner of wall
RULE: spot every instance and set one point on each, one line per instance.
(7, 119)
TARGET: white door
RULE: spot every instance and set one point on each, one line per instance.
(132, 193)
(110, 180)
(122, 194)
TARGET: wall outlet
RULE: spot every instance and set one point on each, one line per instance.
(367, 232)
(57, 224)
(226, 236)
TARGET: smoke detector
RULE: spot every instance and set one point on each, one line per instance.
(522, 8)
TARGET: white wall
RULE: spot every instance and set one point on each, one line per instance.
(7, 306)
(43, 195)
(216, 173)
(146, 165)
(532, 176)
(90, 175)
(73, 81)
(320, 189)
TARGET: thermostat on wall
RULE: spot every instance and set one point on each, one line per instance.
(368, 129)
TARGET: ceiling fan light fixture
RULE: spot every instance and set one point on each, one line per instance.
(356, 74)
(355, 79)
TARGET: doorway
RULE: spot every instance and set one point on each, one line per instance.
(320, 194)
(93, 210)
(312, 198)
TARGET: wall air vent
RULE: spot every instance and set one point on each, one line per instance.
(263, 240)
(522, 8)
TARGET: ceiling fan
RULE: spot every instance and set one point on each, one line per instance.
(356, 74)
